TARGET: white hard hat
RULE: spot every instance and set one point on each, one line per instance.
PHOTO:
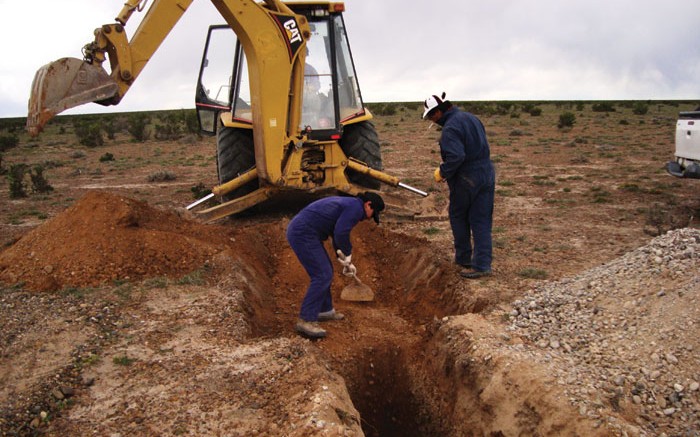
(432, 102)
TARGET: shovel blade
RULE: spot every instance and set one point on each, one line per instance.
(64, 84)
(357, 292)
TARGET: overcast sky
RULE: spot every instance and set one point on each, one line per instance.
(405, 50)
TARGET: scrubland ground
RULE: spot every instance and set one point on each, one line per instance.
(122, 314)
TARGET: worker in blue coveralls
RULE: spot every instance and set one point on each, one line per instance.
(331, 217)
(471, 178)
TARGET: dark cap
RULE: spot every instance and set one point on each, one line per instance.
(375, 200)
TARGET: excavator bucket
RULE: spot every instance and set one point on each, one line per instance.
(64, 84)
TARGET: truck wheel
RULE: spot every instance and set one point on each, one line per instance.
(360, 141)
(235, 154)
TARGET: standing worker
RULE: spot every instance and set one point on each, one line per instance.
(328, 217)
(471, 178)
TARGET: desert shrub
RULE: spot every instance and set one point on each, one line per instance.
(502, 108)
(50, 163)
(373, 107)
(600, 195)
(107, 157)
(385, 109)
(12, 125)
(533, 273)
(566, 119)
(110, 127)
(431, 230)
(162, 176)
(123, 360)
(197, 277)
(168, 132)
(171, 128)
(580, 107)
(479, 108)
(579, 159)
(660, 218)
(603, 107)
(89, 134)
(640, 108)
(137, 126)
(191, 122)
(200, 190)
(39, 182)
(527, 107)
(7, 142)
(15, 177)
(121, 122)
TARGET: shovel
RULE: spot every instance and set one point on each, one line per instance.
(357, 291)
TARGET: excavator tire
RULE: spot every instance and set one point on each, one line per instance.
(360, 141)
(235, 154)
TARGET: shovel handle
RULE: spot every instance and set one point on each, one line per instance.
(357, 279)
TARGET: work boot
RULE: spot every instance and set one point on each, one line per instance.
(330, 315)
(309, 329)
(474, 274)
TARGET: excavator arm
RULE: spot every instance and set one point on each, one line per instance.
(70, 82)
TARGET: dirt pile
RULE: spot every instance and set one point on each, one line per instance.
(106, 237)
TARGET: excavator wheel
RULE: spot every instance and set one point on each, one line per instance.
(235, 154)
(360, 141)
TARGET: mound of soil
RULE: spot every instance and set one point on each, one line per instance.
(106, 237)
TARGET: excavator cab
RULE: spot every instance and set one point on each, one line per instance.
(331, 93)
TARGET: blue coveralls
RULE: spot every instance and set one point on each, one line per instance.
(471, 178)
(331, 216)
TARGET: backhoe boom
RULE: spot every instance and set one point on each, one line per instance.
(69, 82)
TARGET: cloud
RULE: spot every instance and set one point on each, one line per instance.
(508, 49)
(531, 50)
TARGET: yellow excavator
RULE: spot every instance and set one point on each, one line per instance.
(277, 85)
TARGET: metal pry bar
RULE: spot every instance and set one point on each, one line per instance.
(200, 201)
(414, 190)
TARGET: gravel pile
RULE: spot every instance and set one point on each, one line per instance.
(623, 339)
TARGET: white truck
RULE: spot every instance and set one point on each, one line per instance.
(687, 163)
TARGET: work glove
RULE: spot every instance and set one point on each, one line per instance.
(349, 268)
(437, 176)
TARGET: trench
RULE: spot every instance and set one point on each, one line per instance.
(383, 394)
(380, 349)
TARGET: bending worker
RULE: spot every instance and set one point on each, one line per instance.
(471, 178)
(328, 217)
